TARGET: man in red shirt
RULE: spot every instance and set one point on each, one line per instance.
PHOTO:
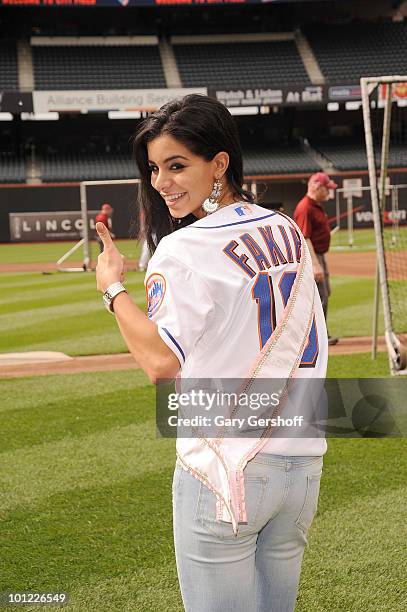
(104, 216)
(312, 220)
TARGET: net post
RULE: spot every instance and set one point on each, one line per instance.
(349, 202)
(375, 325)
(395, 350)
(84, 215)
(385, 148)
(338, 209)
(366, 89)
(382, 192)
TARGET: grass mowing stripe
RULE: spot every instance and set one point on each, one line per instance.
(43, 313)
(22, 283)
(139, 590)
(60, 299)
(103, 533)
(50, 423)
(350, 310)
(91, 533)
(84, 334)
(359, 365)
(49, 285)
(372, 466)
(350, 313)
(45, 295)
(31, 392)
(356, 559)
(90, 511)
(42, 316)
(50, 252)
(95, 343)
(46, 283)
(31, 474)
(69, 322)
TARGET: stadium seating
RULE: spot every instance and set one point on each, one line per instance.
(353, 156)
(398, 156)
(248, 64)
(347, 52)
(81, 167)
(97, 67)
(114, 166)
(278, 160)
(88, 168)
(8, 67)
(344, 156)
(12, 168)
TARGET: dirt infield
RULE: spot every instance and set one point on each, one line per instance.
(124, 361)
(340, 264)
(363, 264)
(45, 267)
(352, 264)
(93, 363)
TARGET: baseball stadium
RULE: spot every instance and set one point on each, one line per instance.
(316, 89)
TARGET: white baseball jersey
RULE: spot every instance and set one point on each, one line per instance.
(216, 290)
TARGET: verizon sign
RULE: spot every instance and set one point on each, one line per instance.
(42, 226)
(389, 216)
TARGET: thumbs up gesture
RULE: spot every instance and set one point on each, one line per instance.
(110, 266)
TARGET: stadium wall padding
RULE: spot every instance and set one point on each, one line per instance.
(45, 198)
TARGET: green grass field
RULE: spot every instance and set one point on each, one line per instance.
(364, 240)
(63, 312)
(50, 252)
(85, 484)
(85, 502)
(60, 312)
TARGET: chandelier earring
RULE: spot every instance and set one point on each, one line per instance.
(211, 204)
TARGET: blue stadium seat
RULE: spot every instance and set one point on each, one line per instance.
(8, 66)
(97, 67)
(246, 64)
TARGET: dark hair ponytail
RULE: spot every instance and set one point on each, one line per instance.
(206, 127)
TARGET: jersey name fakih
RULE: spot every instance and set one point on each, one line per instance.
(217, 289)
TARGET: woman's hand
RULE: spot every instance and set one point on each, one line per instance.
(110, 266)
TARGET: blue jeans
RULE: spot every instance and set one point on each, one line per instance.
(259, 569)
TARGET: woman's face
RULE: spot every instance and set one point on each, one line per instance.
(184, 180)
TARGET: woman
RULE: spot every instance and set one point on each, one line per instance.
(230, 294)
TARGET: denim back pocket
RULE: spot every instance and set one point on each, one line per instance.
(310, 504)
(255, 488)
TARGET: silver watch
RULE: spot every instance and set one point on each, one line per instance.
(110, 293)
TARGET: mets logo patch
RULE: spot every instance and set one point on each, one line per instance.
(155, 288)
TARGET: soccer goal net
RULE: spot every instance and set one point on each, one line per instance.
(384, 101)
(122, 194)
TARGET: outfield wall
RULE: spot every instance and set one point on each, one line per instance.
(65, 197)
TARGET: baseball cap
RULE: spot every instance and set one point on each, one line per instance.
(323, 179)
(106, 207)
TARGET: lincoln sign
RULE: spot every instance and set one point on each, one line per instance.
(43, 226)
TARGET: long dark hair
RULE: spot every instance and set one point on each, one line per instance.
(206, 127)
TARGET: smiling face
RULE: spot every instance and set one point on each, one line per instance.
(184, 180)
